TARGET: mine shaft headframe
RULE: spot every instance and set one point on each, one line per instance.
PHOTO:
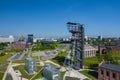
(73, 27)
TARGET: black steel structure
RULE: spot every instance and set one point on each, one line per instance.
(77, 39)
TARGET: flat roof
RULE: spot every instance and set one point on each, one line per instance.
(30, 59)
(51, 68)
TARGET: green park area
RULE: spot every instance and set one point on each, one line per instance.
(3, 58)
(38, 46)
(62, 75)
(1, 75)
(60, 58)
(25, 74)
(93, 62)
(90, 74)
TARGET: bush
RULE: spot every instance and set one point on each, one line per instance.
(2, 54)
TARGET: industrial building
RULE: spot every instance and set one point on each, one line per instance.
(77, 40)
(51, 73)
(30, 65)
(89, 51)
(108, 71)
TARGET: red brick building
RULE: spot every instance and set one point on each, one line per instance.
(20, 46)
(107, 71)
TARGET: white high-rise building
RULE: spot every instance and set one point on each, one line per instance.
(7, 39)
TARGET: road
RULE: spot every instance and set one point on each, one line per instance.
(10, 70)
(17, 56)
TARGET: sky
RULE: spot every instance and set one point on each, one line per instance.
(48, 18)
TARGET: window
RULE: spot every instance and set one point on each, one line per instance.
(101, 71)
(107, 73)
(114, 75)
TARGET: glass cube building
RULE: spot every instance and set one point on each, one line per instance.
(30, 65)
(51, 73)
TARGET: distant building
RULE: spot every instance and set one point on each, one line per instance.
(30, 65)
(101, 49)
(30, 38)
(46, 42)
(20, 46)
(9, 39)
(99, 37)
(107, 71)
(51, 73)
(21, 38)
(89, 51)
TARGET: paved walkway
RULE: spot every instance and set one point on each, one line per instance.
(74, 73)
(48, 61)
(10, 70)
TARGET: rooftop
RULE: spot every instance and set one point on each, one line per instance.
(110, 66)
(51, 68)
(30, 59)
(87, 46)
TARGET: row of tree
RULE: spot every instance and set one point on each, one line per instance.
(38, 46)
(3, 45)
(111, 56)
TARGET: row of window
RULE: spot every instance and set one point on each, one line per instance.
(108, 74)
(90, 53)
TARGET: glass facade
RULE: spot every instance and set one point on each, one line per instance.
(30, 65)
(30, 38)
(51, 73)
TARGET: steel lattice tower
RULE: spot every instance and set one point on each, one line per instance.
(77, 39)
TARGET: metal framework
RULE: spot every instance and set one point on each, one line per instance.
(77, 39)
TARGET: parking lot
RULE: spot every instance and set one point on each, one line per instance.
(45, 55)
(17, 56)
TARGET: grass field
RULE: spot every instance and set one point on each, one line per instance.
(39, 75)
(18, 61)
(91, 62)
(59, 59)
(90, 74)
(1, 75)
(24, 73)
(5, 57)
(3, 67)
(62, 75)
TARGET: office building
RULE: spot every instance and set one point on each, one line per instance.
(51, 73)
(30, 65)
(30, 38)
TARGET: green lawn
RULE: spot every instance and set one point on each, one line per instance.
(62, 75)
(91, 62)
(18, 61)
(1, 75)
(5, 57)
(23, 72)
(60, 58)
(3, 67)
(39, 75)
(90, 74)
(71, 78)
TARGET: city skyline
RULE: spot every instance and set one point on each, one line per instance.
(49, 17)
